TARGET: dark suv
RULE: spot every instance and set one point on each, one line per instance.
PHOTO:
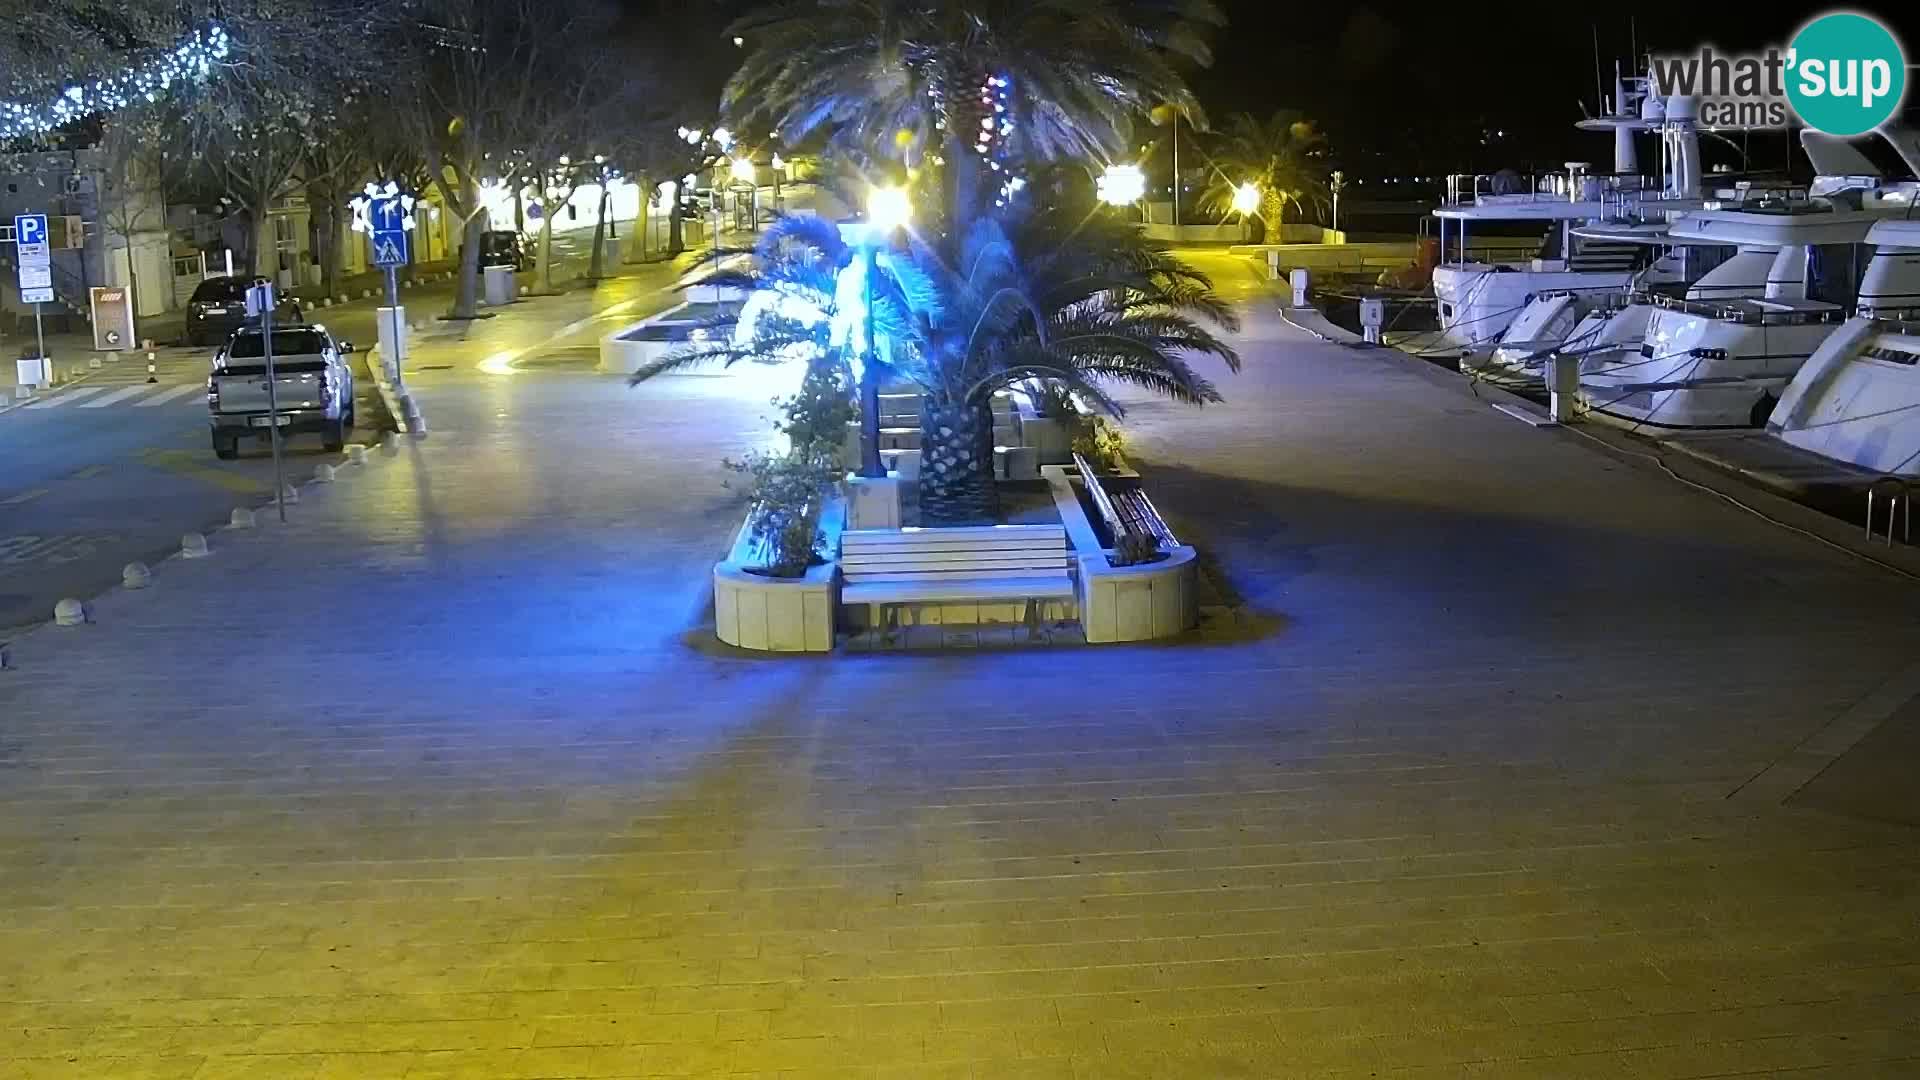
(219, 307)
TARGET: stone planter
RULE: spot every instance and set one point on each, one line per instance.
(631, 348)
(1124, 603)
(770, 614)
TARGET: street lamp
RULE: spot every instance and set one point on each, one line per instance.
(743, 170)
(888, 208)
(1246, 199)
(1339, 181)
(1121, 185)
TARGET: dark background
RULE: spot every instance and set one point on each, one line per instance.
(1402, 88)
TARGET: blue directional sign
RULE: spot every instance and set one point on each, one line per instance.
(388, 216)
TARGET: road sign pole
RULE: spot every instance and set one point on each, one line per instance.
(273, 405)
(40, 347)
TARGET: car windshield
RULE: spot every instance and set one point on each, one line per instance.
(221, 290)
(291, 342)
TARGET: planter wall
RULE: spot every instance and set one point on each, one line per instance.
(1124, 603)
(770, 614)
(631, 347)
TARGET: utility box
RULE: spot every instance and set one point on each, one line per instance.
(1373, 316)
(1563, 385)
(499, 285)
(1299, 280)
(112, 318)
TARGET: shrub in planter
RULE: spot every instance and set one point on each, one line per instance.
(789, 489)
(1134, 549)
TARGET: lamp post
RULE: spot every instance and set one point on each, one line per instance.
(745, 173)
(1339, 181)
(888, 208)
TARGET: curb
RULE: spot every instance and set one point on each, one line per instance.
(402, 408)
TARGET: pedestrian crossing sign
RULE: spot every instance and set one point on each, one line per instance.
(390, 247)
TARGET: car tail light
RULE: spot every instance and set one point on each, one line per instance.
(213, 393)
(326, 388)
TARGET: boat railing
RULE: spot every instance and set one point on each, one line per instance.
(1748, 312)
(1493, 189)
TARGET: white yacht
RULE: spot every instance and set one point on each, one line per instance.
(1857, 400)
(1477, 300)
(1723, 362)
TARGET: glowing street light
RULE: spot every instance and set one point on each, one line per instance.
(743, 170)
(888, 208)
(1246, 199)
(1121, 185)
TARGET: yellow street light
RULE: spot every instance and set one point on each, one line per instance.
(1246, 198)
(743, 170)
(888, 207)
(1121, 185)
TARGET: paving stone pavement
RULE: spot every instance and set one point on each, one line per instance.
(1451, 801)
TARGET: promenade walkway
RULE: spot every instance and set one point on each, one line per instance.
(446, 779)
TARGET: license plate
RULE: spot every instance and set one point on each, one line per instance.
(268, 421)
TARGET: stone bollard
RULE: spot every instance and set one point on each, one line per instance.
(390, 444)
(356, 454)
(289, 494)
(69, 612)
(135, 575)
(323, 474)
(194, 546)
(241, 518)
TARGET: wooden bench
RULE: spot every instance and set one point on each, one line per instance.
(885, 567)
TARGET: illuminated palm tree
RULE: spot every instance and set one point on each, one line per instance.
(1277, 158)
(1085, 302)
(893, 78)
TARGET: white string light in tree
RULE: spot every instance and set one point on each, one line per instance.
(189, 62)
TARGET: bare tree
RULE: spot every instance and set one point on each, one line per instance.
(486, 71)
(138, 167)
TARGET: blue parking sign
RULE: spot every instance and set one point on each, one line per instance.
(30, 232)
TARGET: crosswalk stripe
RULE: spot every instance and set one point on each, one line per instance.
(118, 395)
(61, 399)
(167, 395)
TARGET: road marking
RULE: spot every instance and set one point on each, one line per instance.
(192, 464)
(87, 473)
(61, 399)
(117, 395)
(20, 550)
(166, 395)
(24, 497)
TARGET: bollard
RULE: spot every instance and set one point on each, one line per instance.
(1299, 281)
(135, 575)
(241, 518)
(289, 495)
(194, 546)
(323, 474)
(390, 444)
(356, 454)
(150, 370)
(1273, 265)
(69, 612)
(1373, 315)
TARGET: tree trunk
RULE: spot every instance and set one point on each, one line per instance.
(330, 246)
(1273, 210)
(956, 466)
(133, 280)
(546, 250)
(676, 239)
(466, 301)
(598, 262)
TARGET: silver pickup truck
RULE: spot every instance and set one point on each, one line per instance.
(313, 385)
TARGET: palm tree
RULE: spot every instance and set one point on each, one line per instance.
(1078, 71)
(1277, 158)
(1079, 302)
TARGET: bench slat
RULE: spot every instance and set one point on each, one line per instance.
(982, 573)
(852, 568)
(975, 589)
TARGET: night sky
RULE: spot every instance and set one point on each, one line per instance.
(1409, 87)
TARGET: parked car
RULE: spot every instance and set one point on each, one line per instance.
(219, 307)
(312, 385)
(502, 247)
